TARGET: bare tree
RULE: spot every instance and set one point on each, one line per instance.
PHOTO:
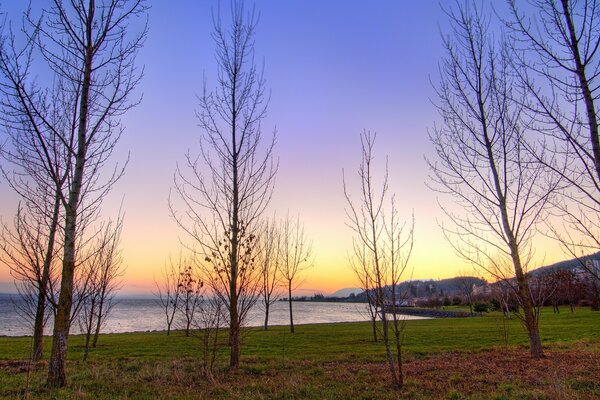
(270, 244)
(90, 57)
(382, 246)
(295, 253)
(483, 161)
(104, 268)
(39, 169)
(27, 247)
(557, 61)
(190, 295)
(227, 187)
(168, 289)
(466, 286)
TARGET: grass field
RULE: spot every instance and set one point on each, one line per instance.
(460, 358)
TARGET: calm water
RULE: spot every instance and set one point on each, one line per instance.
(144, 314)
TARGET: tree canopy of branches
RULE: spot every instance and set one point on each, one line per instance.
(382, 250)
(104, 268)
(483, 161)
(27, 247)
(71, 126)
(295, 255)
(557, 61)
(226, 188)
(168, 289)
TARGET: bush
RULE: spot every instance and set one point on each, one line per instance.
(481, 307)
(456, 301)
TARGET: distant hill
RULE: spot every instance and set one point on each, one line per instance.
(346, 292)
(566, 264)
(430, 287)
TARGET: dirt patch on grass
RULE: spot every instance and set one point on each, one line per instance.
(16, 366)
(563, 374)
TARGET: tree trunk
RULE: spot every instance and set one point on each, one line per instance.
(98, 322)
(398, 353)
(234, 321)
(38, 326)
(290, 304)
(40, 313)
(388, 350)
(531, 319)
(374, 327)
(88, 329)
(266, 326)
(62, 322)
(234, 339)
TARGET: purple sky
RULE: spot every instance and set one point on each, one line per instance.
(334, 68)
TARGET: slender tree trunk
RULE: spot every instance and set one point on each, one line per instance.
(88, 329)
(234, 320)
(62, 322)
(38, 327)
(531, 320)
(374, 327)
(266, 326)
(98, 322)
(398, 352)
(388, 349)
(290, 306)
(234, 337)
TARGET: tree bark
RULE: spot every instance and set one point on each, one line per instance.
(88, 329)
(374, 327)
(98, 320)
(56, 372)
(290, 306)
(266, 327)
(38, 328)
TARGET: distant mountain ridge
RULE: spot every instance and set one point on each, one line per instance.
(345, 292)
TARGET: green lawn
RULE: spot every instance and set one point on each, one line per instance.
(326, 361)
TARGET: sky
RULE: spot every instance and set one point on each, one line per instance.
(333, 69)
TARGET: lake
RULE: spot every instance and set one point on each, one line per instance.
(145, 314)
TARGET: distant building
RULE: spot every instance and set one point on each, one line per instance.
(479, 290)
(398, 303)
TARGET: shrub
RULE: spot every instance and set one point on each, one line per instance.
(481, 307)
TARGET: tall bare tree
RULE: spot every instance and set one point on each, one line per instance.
(557, 61)
(90, 55)
(382, 245)
(295, 253)
(226, 188)
(482, 159)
